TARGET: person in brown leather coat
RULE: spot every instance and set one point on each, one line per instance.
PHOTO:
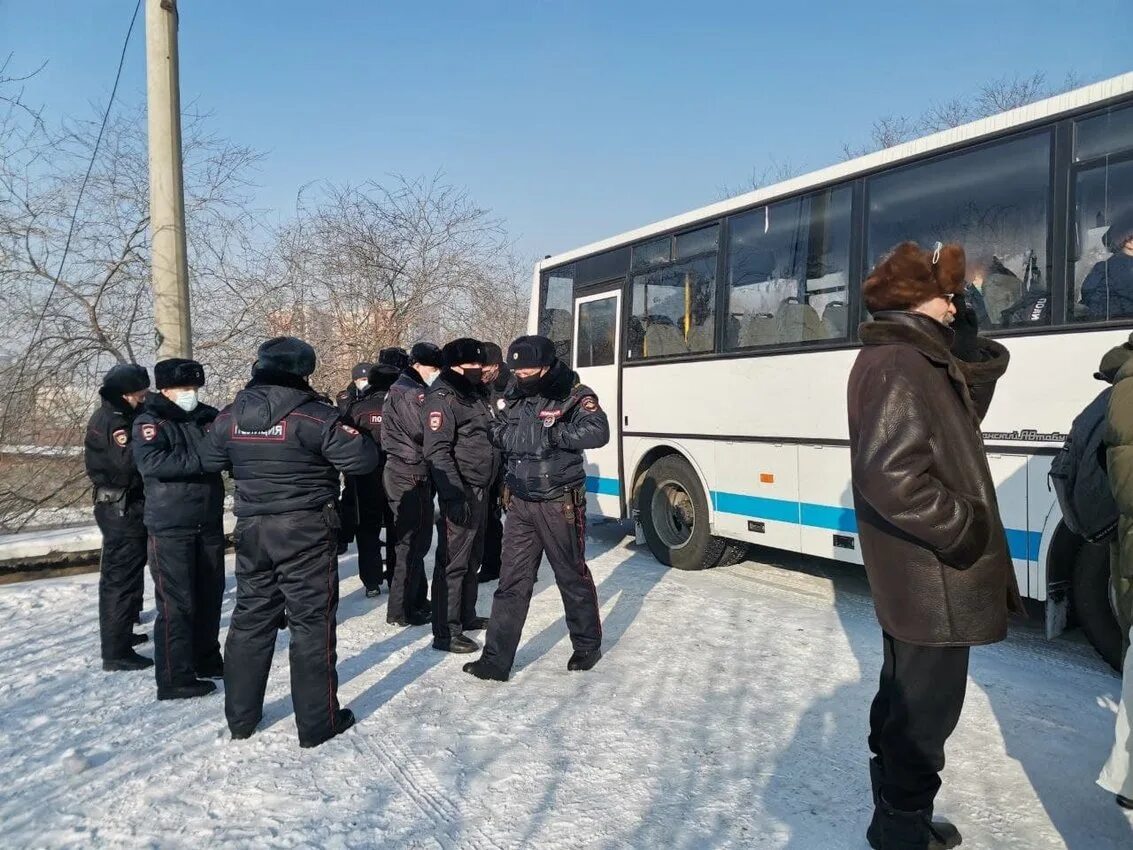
(928, 522)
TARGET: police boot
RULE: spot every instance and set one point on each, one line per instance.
(476, 624)
(1124, 802)
(482, 670)
(415, 618)
(893, 829)
(138, 640)
(584, 660)
(189, 690)
(459, 644)
(130, 661)
(342, 721)
(213, 668)
(372, 592)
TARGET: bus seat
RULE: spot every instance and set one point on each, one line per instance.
(1000, 292)
(702, 337)
(758, 330)
(834, 319)
(662, 339)
(798, 322)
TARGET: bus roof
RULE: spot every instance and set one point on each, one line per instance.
(1072, 101)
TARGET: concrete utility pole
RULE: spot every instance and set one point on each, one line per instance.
(167, 193)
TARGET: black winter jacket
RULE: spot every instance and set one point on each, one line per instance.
(347, 397)
(543, 432)
(403, 428)
(365, 499)
(106, 448)
(456, 446)
(179, 495)
(285, 446)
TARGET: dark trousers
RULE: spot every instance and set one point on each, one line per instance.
(290, 560)
(410, 498)
(532, 528)
(918, 705)
(366, 507)
(122, 570)
(459, 546)
(493, 533)
(188, 580)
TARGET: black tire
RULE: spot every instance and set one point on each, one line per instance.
(673, 512)
(734, 552)
(1093, 605)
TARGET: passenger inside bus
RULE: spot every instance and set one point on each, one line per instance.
(992, 289)
(1107, 291)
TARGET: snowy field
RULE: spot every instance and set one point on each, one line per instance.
(730, 711)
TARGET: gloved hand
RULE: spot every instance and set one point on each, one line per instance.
(966, 327)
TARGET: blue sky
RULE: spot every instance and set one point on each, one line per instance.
(571, 120)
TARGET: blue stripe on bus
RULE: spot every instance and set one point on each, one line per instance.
(756, 506)
(603, 486)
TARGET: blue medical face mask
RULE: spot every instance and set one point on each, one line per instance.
(432, 377)
(186, 400)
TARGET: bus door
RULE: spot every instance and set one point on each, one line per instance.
(597, 353)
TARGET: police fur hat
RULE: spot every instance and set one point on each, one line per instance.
(426, 354)
(286, 354)
(1113, 360)
(493, 356)
(360, 370)
(910, 275)
(1120, 231)
(178, 372)
(530, 352)
(461, 351)
(393, 356)
(126, 378)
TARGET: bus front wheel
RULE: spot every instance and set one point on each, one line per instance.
(1093, 602)
(673, 511)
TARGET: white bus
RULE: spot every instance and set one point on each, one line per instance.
(720, 341)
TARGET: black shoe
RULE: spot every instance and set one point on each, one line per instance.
(343, 721)
(476, 624)
(482, 670)
(584, 660)
(138, 640)
(212, 669)
(892, 828)
(199, 688)
(417, 618)
(460, 644)
(243, 734)
(424, 614)
(371, 592)
(130, 661)
(1124, 802)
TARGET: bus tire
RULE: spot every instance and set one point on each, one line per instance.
(1093, 606)
(673, 511)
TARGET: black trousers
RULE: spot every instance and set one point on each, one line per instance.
(459, 546)
(532, 528)
(917, 707)
(122, 571)
(188, 580)
(285, 559)
(410, 498)
(366, 507)
(493, 532)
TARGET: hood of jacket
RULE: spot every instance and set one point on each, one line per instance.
(268, 398)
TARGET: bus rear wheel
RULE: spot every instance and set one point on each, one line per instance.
(1092, 597)
(673, 511)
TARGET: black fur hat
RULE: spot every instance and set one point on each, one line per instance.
(360, 370)
(286, 354)
(178, 372)
(493, 356)
(531, 352)
(427, 354)
(126, 378)
(463, 350)
(395, 357)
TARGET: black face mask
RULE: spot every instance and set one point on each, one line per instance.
(528, 384)
(473, 375)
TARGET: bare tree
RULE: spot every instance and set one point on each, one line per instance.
(776, 171)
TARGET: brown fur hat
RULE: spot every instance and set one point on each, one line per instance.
(907, 276)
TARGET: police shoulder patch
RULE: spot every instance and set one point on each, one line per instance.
(589, 404)
(120, 437)
(436, 419)
(149, 431)
(421, 398)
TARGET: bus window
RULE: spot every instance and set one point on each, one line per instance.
(556, 301)
(674, 296)
(787, 267)
(1103, 208)
(993, 201)
(597, 326)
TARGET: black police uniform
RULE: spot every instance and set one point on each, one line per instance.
(461, 465)
(119, 506)
(542, 432)
(364, 503)
(493, 512)
(344, 400)
(286, 448)
(184, 517)
(410, 495)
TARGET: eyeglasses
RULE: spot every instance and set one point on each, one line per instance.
(948, 296)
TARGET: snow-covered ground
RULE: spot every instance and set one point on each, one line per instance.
(730, 711)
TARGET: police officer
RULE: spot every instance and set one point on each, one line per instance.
(359, 379)
(496, 377)
(406, 481)
(364, 502)
(286, 447)
(461, 465)
(548, 420)
(119, 505)
(184, 517)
